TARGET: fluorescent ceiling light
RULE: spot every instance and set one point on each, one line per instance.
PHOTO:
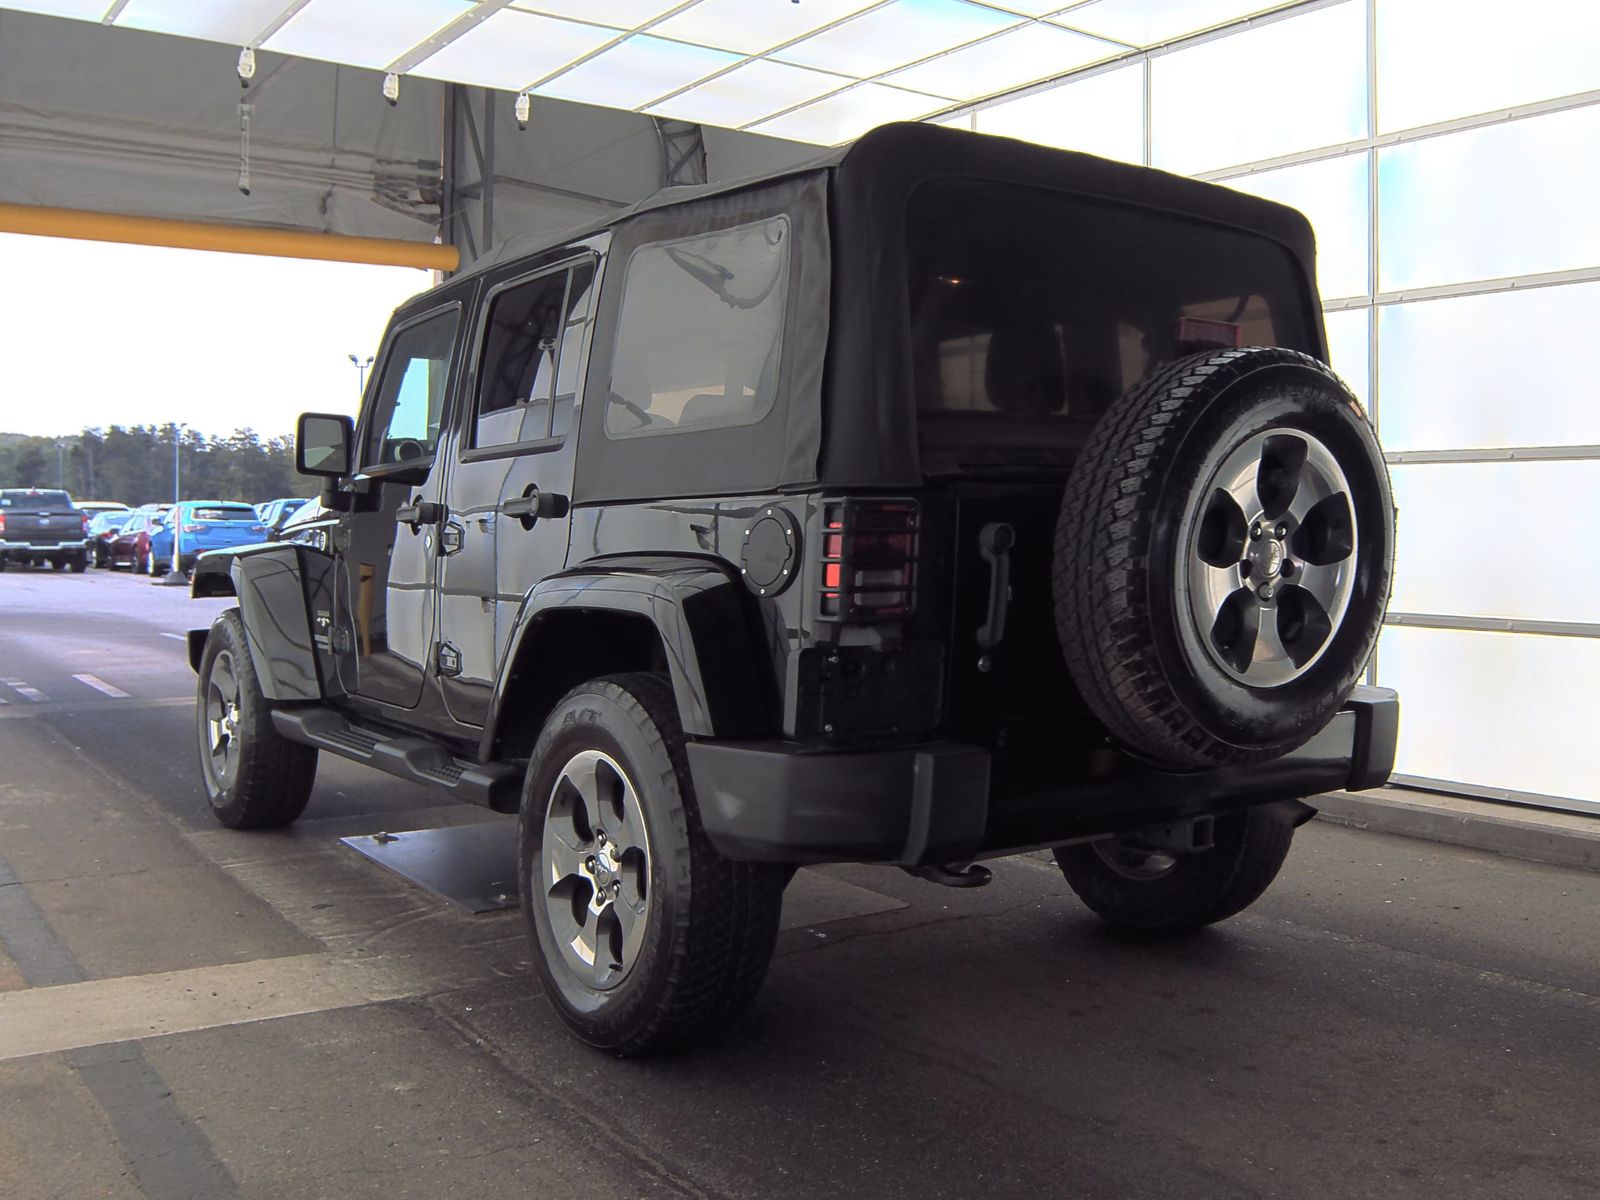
(896, 35)
(748, 93)
(626, 14)
(751, 28)
(237, 22)
(636, 71)
(82, 10)
(1012, 60)
(849, 114)
(1149, 22)
(512, 49)
(361, 33)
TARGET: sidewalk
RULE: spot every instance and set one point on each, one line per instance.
(1539, 835)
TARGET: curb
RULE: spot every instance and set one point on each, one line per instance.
(1536, 835)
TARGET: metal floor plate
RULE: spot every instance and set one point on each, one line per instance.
(474, 866)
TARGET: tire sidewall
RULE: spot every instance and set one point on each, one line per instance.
(225, 800)
(1291, 396)
(592, 719)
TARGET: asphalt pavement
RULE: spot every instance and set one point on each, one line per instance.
(187, 1011)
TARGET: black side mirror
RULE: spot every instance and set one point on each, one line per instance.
(322, 445)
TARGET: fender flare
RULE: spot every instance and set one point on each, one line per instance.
(707, 623)
(269, 580)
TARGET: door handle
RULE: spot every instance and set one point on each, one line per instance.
(533, 504)
(418, 513)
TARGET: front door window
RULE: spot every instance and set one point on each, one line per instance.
(409, 405)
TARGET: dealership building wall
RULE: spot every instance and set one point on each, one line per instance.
(1448, 154)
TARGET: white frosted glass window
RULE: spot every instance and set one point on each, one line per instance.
(355, 32)
(1349, 349)
(85, 10)
(1497, 710)
(1295, 84)
(512, 49)
(236, 21)
(895, 35)
(636, 71)
(1505, 539)
(1516, 198)
(751, 28)
(1439, 59)
(849, 114)
(1148, 22)
(1333, 196)
(747, 93)
(1509, 369)
(1102, 115)
(1012, 60)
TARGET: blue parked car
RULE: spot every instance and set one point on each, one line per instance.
(195, 526)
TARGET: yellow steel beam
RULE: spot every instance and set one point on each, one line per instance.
(230, 239)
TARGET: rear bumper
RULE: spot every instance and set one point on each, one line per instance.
(947, 802)
(68, 547)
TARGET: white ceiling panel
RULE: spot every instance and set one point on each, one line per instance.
(1012, 60)
(627, 14)
(1151, 22)
(636, 71)
(83, 10)
(512, 49)
(895, 36)
(361, 33)
(757, 89)
(236, 21)
(849, 114)
(751, 28)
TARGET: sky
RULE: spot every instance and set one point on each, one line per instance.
(97, 333)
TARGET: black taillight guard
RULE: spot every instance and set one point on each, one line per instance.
(869, 559)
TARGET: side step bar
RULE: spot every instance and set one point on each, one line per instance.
(406, 756)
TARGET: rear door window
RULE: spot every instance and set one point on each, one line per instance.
(527, 379)
(700, 330)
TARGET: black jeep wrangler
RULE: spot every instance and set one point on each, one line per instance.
(945, 498)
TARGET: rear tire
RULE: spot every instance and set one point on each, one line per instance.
(254, 777)
(80, 564)
(58, 564)
(608, 809)
(1140, 892)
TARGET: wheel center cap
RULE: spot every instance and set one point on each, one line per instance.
(1272, 558)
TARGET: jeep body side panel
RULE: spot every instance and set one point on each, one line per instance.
(270, 581)
(700, 611)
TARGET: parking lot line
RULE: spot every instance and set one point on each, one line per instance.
(27, 693)
(100, 685)
(177, 637)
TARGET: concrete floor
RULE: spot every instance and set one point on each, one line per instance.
(186, 1011)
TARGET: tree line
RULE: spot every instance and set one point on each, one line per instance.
(134, 464)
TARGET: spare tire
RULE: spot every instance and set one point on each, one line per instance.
(1223, 557)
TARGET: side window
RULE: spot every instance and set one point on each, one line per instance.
(700, 331)
(516, 384)
(409, 404)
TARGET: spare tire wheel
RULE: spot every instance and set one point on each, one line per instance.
(1223, 557)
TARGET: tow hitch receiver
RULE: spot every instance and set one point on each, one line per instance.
(1183, 836)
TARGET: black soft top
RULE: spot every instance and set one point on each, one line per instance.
(848, 418)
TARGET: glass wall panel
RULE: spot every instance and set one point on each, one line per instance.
(1149, 22)
(1349, 350)
(1510, 199)
(1102, 115)
(1333, 196)
(1509, 539)
(1294, 84)
(1496, 710)
(1440, 59)
(1509, 369)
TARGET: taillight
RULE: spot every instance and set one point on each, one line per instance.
(2, 522)
(191, 528)
(869, 559)
(83, 519)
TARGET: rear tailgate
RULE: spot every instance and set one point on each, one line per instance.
(41, 520)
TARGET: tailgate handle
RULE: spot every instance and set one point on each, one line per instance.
(994, 543)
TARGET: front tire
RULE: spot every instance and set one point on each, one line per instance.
(254, 777)
(1164, 895)
(644, 937)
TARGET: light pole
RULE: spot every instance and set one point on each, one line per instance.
(177, 440)
(361, 374)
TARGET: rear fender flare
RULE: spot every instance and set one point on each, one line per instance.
(720, 668)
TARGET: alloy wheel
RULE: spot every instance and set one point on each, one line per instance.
(596, 869)
(222, 718)
(1271, 565)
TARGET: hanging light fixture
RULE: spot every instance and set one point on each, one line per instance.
(523, 106)
(247, 66)
(391, 88)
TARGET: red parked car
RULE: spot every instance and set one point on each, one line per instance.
(131, 545)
